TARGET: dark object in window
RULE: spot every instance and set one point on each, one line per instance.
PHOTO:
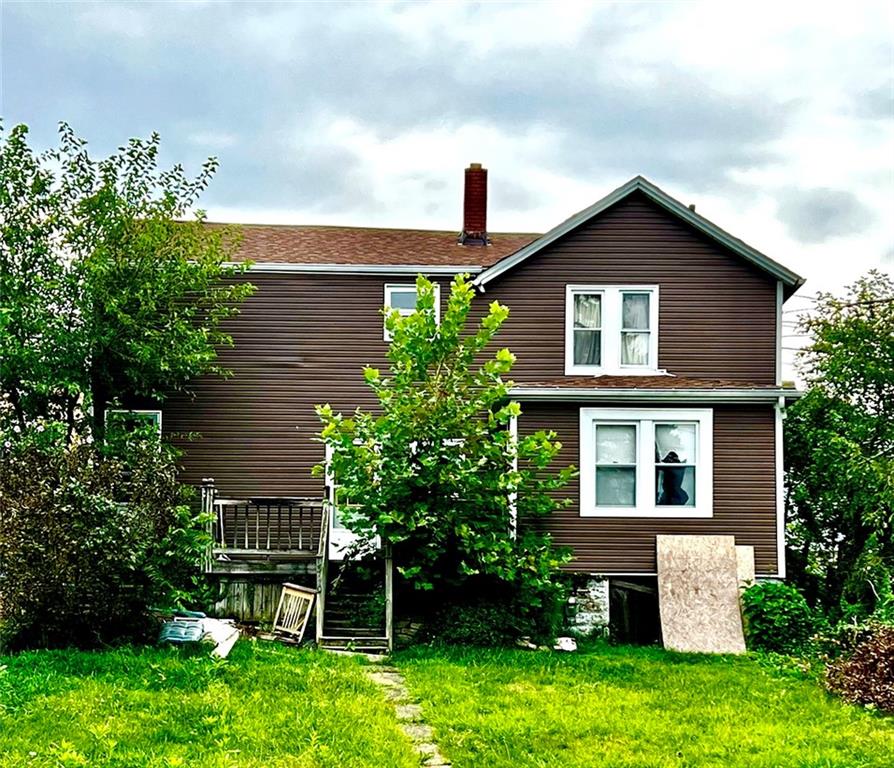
(672, 493)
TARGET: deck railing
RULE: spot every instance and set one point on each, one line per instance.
(263, 525)
(268, 524)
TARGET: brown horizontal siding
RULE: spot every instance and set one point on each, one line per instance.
(303, 339)
(300, 341)
(717, 313)
(744, 494)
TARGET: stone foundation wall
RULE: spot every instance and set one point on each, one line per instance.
(588, 606)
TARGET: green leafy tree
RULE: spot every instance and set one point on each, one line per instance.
(840, 452)
(110, 288)
(436, 471)
(109, 285)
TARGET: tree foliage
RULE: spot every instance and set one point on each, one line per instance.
(840, 452)
(109, 284)
(436, 471)
(110, 288)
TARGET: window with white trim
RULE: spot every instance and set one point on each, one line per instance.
(611, 329)
(403, 297)
(126, 420)
(646, 462)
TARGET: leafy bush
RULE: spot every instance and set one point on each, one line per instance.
(499, 614)
(89, 541)
(867, 675)
(484, 623)
(777, 618)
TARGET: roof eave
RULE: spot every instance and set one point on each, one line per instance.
(790, 279)
(618, 394)
(361, 269)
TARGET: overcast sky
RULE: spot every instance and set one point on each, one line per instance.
(776, 119)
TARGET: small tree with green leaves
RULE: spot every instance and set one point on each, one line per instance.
(437, 471)
(840, 452)
(110, 285)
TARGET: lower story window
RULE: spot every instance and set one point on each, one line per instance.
(646, 462)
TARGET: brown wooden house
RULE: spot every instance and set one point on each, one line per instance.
(648, 337)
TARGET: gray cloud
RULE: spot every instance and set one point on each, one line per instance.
(273, 75)
(817, 215)
(875, 103)
(888, 256)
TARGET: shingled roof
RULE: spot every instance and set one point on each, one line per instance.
(302, 244)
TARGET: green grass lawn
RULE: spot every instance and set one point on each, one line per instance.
(636, 708)
(272, 706)
(265, 706)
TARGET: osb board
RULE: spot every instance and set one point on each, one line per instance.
(744, 565)
(698, 594)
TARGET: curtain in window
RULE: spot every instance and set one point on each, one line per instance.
(587, 311)
(634, 348)
(587, 336)
(635, 329)
(635, 313)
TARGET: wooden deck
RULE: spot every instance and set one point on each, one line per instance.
(258, 535)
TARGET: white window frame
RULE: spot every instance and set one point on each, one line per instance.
(391, 287)
(155, 412)
(646, 418)
(612, 316)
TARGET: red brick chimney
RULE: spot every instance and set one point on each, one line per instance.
(475, 206)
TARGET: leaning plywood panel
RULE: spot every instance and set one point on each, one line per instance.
(698, 593)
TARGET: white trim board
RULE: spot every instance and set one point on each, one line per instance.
(641, 184)
(779, 462)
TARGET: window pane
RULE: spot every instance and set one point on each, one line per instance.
(403, 299)
(615, 444)
(675, 443)
(635, 312)
(587, 310)
(675, 486)
(615, 487)
(634, 349)
(587, 347)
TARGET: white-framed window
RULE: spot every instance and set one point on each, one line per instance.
(403, 297)
(646, 462)
(611, 329)
(129, 419)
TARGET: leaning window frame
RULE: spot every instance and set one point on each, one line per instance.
(391, 287)
(611, 329)
(646, 502)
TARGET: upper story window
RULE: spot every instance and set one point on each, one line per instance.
(646, 462)
(611, 329)
(402, 297)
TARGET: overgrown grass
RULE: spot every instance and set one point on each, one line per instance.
(636, 708)
(264, 706)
